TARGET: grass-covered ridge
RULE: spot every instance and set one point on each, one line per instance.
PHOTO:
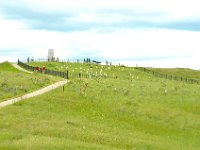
(120, 71)
(180, 72)
(138, 111)
(14, 83)
(74, 69)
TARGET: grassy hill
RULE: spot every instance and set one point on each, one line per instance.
(121, 71)
(88, 68)
(180, 72)
(14, 83)
(137, 111)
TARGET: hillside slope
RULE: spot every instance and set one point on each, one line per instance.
(138, 111)
(14, 83)
(180, 72)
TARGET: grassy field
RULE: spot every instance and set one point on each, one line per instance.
(111, 71)
(87, 68)
(137, 111)
(14, 83)
(180, 72)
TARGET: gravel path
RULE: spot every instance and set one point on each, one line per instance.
(20, 68)
(36, 93)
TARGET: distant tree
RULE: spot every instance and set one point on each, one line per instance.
(28, 60)
(106, 62)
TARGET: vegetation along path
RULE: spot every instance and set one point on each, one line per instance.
(36, 93)
(20, 68)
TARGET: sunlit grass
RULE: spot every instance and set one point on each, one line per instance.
(180, 72)
(14, 83)
(137, 111)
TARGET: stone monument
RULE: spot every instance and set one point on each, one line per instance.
(51, 56)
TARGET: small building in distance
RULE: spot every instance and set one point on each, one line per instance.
(51, 56)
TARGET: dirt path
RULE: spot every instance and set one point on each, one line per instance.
(20, 68)
(36, 93)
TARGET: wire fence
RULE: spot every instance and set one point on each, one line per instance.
(167, 76)
(46, 71)
(89, 76)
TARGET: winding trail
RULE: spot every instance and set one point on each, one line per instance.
(36, 93)
(20, 68)
(32, 94)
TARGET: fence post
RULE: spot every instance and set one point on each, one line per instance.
(67, 74)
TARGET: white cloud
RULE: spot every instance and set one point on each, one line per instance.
(123, 44)
(8, 58)
(160, 47)
(178, 9)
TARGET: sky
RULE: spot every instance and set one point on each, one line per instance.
(151, 33)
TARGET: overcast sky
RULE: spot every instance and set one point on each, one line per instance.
(155, 33)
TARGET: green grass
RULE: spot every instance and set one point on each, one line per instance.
(138, 112)
(14, 83)
(180, 72)
(86, 68)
